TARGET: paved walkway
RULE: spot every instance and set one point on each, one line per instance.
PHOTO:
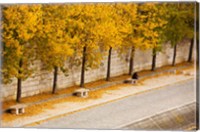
(67, 107)
(122, 112)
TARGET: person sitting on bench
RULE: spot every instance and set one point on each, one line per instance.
(135, 77)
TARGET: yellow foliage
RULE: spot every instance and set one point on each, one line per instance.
(152, 23)
(20, 24)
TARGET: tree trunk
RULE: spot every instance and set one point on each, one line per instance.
(55, 79)
(153, 60)
(197, 52)
(108, 67)
(131, 64)
(19, 82)
(83, 67)
(174, 56)
(191, 49)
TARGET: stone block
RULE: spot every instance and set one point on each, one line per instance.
(82, 92)
(17, 109)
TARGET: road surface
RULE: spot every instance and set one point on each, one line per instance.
(121, 113)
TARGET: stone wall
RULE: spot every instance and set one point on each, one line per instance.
(42, 80)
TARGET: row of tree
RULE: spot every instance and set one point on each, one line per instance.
(81, 33)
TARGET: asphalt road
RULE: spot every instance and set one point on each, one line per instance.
(120, 113)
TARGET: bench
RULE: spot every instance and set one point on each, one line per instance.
(173, 71)
(17, 109)
(187, 73)
(82, 92)
(131, 81)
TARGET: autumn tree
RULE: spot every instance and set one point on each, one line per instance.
(20, 24)
(197, 31)
(54, 43)
(84, 19)
(176, 28)
(191, 20)
(134, 38)
(152, 17)
(108, 35)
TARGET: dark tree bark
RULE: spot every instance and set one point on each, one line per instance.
(174, 56)
(108, 66)
(19, 82)
(83, 67)
(153, 67)
(191, 49)
(55, 79)
(131, 64)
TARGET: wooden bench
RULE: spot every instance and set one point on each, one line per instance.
(82, 92)
(17, 109)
